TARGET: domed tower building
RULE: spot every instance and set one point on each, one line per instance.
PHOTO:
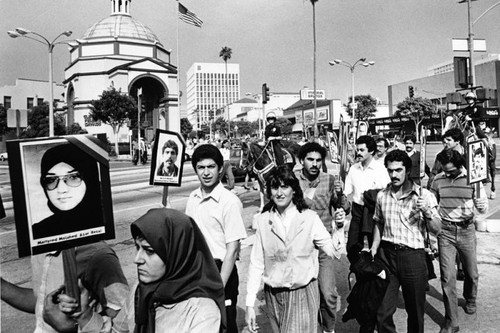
(121, 52)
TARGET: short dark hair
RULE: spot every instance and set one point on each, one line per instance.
(456, 134)
(283, 175)
(224, 142)
(386, 143)
(311, 147)
(446, 156)
(479, 151)
(410, 137)
(207, 151)
(170, 144)
(369, 141)
(398, 155)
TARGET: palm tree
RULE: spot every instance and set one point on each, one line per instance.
(225, 54)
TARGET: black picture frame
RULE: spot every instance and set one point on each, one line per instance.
(31, 201)
(477, 161)
(156, 177)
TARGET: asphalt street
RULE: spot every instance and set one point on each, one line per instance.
(485, 320)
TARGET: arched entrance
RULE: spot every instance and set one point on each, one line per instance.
(153, 91)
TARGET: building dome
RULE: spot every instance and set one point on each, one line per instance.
(116, 26)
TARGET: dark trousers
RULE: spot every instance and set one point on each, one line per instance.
(355, 235)
(408, 269)
(231, 292)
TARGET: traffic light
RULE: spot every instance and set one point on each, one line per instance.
(211, 114)
(411, 91)
(265, 93)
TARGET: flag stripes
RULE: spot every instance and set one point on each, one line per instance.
(188, 16)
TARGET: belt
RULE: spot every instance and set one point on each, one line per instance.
(396, 247)
(462, 224)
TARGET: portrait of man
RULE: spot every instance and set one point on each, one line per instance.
(168, 159)
(477, 161)
(167, 168)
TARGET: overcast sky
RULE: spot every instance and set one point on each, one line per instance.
(271, 39)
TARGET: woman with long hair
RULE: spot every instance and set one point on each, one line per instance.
(285, 257)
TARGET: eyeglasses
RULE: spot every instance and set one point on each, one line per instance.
(72, 179)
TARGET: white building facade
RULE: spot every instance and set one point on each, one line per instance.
(27, 93)
(120, 52)
(206, 91)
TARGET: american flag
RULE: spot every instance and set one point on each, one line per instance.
(189, 17)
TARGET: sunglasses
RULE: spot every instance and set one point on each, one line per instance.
(72, 179)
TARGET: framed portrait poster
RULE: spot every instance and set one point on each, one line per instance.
(477, 161)
(168, 159)
(61, 193)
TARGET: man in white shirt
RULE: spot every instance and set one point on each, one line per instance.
(382, 147)
(227, 168)
(219, 215)
(365, 174)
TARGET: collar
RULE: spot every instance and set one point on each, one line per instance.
(411, 152)
(312, 183)
(369, 166)
(415, 189)
(215, 194)
(289, 211)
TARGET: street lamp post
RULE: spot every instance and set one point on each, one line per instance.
(362, 62)
(21, 32)
(470, 38)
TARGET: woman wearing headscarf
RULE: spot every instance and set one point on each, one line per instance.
(285, 257)
(180, 288)
(70, 180)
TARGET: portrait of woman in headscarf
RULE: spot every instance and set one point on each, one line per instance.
(180, 288)
(70, 180)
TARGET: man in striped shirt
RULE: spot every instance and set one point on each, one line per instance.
(457, 200)
(403, 213)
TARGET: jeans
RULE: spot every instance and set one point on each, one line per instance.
(327, 292)
(455, 238)
(408, 269)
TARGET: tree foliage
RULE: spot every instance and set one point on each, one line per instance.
(75, 128)
(186, 127)
(3, 120)
(244, 127)
(367, 106)
(416, 108)
(115, 109)
(38, 123)
(285, 125)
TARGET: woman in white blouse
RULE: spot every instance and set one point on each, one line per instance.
(285, 256)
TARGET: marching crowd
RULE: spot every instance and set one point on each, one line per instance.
(188, 280)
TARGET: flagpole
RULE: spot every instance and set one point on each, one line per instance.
(164, 200)
(178, 61)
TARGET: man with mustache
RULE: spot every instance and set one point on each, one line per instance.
(414, 155)
(452, 139)
(403, 214)
(169, 152)
(382, 147)
(323, 194)
(365, 174)
(458, 233)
